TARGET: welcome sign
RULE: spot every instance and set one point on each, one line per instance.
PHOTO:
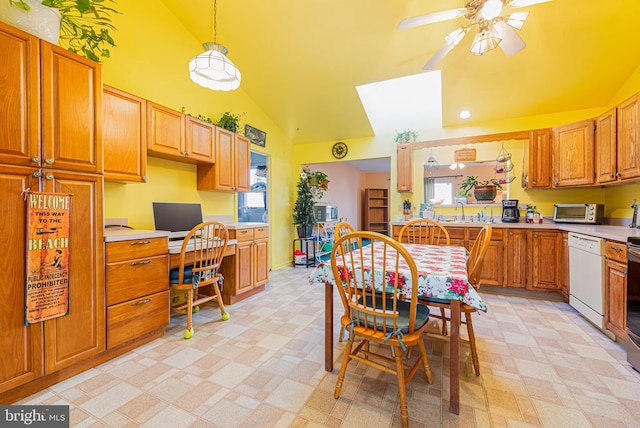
(48, 229)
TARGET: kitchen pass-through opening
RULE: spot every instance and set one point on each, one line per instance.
(253, 206)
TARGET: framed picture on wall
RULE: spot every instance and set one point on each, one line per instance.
(256, 136)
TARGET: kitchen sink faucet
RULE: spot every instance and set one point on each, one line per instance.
(462, 205)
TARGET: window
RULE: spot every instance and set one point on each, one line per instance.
(443, 189)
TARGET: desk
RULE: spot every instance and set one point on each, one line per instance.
(442, 274)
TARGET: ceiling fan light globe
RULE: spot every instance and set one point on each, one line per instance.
(454, 37)
(517, 19)
(485, 41)
(491, 9)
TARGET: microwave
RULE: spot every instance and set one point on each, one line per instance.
(325, 213)
(578, 213)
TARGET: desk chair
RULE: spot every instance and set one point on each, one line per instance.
(207, 242)
(475, 261)
(381, 316)
(423, 231)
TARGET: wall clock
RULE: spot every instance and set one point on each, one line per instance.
(339, 150)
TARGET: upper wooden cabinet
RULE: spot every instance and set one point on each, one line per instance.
(124, 136)
(404, 174)
(51, 109)
(573, 154)
(606, 141)
(536, 171)
(628, 143)
(233, 162)
(176, 136)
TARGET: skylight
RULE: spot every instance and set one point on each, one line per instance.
(411, 102)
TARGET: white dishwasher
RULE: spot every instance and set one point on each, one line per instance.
(586, 277)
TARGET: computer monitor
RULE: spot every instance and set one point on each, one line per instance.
(176, 217)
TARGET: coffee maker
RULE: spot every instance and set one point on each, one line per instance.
(510, 211)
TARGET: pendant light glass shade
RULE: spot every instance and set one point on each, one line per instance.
(486, 40)
(212, 69)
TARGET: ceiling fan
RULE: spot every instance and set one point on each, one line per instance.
(494, 28)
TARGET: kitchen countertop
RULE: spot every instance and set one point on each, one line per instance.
(615, 233)
(247, 225)
(117, 234)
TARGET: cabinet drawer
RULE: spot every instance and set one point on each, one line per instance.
(260, 232)
(131, 319)
(242, 235)
(616, 251)
(131, 279)
(456, 232)
(136, 248)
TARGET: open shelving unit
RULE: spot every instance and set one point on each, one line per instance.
(376, 210)
(323, 238)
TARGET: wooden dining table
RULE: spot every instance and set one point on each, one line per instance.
(442, 274)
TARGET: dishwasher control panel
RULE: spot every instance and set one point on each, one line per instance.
(587, 243)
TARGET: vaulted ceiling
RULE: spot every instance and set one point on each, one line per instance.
(301, 60)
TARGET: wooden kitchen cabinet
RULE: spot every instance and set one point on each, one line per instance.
(493, 267)
(124, 136)
(23, 357)
(231, 171)
(565, 289)
(615, 289)
(606, 143)
(545, 247)
(50, 119)
(628, 153)
(176, 136)
(247, 272)
(516, 260)
(536, 173)
(403, 168)
(137, 288)
(573, 154)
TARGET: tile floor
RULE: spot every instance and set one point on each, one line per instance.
(542, 366)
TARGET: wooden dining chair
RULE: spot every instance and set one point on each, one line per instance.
(342, 229)
(376, 314)
(198, 274)
(475, 262)
(423, 231)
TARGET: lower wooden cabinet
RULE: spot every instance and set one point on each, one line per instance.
(137, 291)
(493, 267)
(615, 289)
(545, 248)
(247, 272)
(516, 260)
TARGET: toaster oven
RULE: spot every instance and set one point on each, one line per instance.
(578, 213)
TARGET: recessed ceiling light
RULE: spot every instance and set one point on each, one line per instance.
(464, 114)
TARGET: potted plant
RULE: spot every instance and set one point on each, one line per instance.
(84, 24)
(406, 136)
(303, 216)
(483, 191)
(229, 121)
(319, 182)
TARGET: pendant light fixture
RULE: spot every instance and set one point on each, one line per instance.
(212, 69)
(431, 163)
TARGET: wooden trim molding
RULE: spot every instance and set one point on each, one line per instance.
(516, 135)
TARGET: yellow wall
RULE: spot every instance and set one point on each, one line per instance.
(150, 60)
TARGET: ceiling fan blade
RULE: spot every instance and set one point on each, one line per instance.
(437, 57)
(525, 3)
(511, 42)
(431, 18)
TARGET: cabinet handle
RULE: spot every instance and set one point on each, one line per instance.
(616, 248)
(48, 177)
(142, 302)
(144, 262)
(555, 181)
(510, 233)
(535, 235)
(141, 243)
(37, 174)
(183, 153)
(187, 154)
(260, 229)
(35, 159)
(534, 182)
(624, 273)
(618, 174)
(48, 161)
(244, 231)
(612, 175)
